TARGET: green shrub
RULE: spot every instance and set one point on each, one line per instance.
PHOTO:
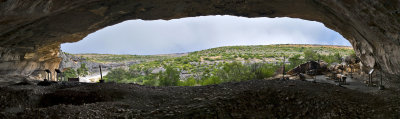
(310, 55)
(83, 70)
(170, 77)
(234, 71)
(295, 61)
(70, 73)
(211, 81)
(151, 82)
(117, 75)
(262, 71)
(188, 82)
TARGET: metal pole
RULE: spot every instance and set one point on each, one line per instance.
(370, 79)
(381, 87)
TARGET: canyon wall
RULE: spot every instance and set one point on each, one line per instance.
(28, 62)
(31, 31)
(70, 61)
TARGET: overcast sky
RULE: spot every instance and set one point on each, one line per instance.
(198, 33)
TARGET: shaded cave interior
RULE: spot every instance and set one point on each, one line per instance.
(30, 41)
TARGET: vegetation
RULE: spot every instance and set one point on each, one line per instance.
(69, 73)
(311, 55)
(170, 77)
(83, 70)
(72, 73)
(224, 64)
(109, 58)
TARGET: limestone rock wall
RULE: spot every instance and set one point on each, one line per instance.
(372, 26)
(29, 62)
(74, 62)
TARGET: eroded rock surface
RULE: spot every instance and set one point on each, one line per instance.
(28, 62)
(75, 62)
(372, 26)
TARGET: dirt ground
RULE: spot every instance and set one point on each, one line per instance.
(248, 99)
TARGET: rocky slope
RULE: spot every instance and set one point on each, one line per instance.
(74, 62)
(33, 30)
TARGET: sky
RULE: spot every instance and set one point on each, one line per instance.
(141, 37)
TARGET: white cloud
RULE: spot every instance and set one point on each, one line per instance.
(198, 33)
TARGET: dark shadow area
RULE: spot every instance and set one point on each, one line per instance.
(10, 99)
(79, 97)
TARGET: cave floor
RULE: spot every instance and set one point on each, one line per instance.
(247, 99)
(351, 83)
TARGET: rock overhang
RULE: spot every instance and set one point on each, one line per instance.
(31, 31)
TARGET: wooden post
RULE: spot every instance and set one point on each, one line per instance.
(101, 75)
(283, 71)
(78, 73)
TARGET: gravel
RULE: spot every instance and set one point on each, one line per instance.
(248, 99)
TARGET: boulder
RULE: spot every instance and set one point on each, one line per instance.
(310, 67)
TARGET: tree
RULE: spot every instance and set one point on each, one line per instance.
(337, 57)
(188, 82)
(310, 55)
(83, 70)
(295, 61)
(211, 80)
(117, 75)
(234, 71)
(151, 82)
(262, 71)
(69, 73)
(170, 77)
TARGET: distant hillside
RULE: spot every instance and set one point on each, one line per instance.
(223, 53)
(251, 54)
(259, 51)
(72, 62)
(113, 58)
(220, 64)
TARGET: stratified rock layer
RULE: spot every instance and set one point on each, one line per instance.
(372, 26)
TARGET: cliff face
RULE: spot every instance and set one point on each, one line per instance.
(31, 31)
(28, 62)
(74, 62)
